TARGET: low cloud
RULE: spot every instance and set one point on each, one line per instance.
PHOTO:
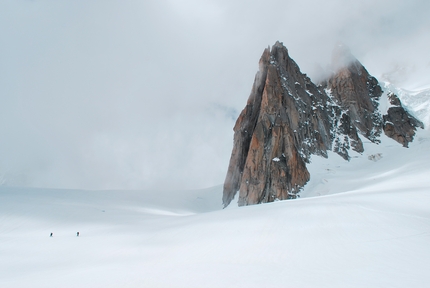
(144, 94)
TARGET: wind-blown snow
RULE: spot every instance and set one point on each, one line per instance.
(369, 228)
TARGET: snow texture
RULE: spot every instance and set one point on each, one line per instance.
(357, 224)
(362, 223)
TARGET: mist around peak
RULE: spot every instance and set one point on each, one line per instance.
(103, 95)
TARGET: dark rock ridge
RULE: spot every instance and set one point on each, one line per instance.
(398, 123)
(288, 118)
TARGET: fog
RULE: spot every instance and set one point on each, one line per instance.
(144, 94)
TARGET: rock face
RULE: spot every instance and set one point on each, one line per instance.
(288, 118)
(356, 92)
(398, 123)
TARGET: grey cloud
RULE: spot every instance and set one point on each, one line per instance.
(143, 94)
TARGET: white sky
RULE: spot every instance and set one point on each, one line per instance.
(144, 94)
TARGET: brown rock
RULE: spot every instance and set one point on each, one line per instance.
(243, 131)
(357, 92)
(287, 118)
(398, 123)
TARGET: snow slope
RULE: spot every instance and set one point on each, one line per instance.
(363, 223)
(375, 234)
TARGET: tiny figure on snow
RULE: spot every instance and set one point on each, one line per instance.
(77, 234)
(52, 234)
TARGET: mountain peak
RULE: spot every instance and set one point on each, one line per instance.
(288, 118)
(357, 92)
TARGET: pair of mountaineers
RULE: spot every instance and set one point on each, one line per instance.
(52, 234)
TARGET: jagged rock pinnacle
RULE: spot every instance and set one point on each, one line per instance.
(288, 118)
(357, 92)
(398, 123)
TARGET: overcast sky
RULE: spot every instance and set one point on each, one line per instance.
(144, 94)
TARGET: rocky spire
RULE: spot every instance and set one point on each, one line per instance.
(243, 131)
(356, 91)
(288, 118)
(398, 123)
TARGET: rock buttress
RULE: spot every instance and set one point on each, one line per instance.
(357, 92)
(398, 124)
(243, 131)
(287, 118)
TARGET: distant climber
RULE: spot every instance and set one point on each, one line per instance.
(77, 234)
(52, 234)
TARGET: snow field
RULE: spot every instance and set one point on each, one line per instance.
(362, 223)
